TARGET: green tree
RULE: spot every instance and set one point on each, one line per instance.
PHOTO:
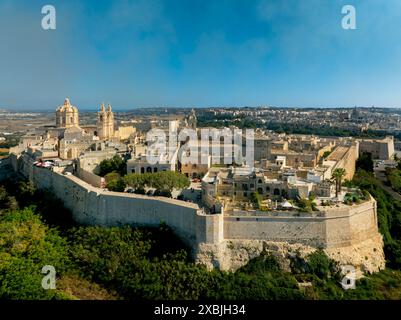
(26, 246)
(365, 162)
(168, 180)
(307, 205)
(117, 185)
(3, 198)
(320, 265)
(135, 180)
(112, 176)
(164, 182)
(115, 164)
(337, 175)
(326, 154)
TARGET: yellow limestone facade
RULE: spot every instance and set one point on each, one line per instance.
(67, 115)
(105, 123)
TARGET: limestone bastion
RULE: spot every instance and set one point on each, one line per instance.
(347, 233)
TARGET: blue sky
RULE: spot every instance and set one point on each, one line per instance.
(199, 53)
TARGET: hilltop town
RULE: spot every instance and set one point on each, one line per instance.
(291, 198)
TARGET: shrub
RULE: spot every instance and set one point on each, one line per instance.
(117, 185)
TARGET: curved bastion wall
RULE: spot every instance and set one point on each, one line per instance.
(347, 234)
(335, 227)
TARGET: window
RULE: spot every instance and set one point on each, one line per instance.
(260, 181)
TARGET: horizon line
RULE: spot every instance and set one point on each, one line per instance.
(129, 109)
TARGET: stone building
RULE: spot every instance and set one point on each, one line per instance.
(74, 141)
(105, 123)
(191, 120)
(344, 157)
(67, 115)
(382, 149)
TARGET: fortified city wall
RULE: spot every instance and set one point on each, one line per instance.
(347, 234)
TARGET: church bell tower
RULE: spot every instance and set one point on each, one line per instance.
(105, 123)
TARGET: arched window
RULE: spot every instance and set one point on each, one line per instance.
(276, 192)
(268, 189)
(260, 190)
(154, 169)
(142, 170)
(149, 169)
(260, 181)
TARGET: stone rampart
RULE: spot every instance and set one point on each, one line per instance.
(220, 240)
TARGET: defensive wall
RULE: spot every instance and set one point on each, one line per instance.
(333, 227)
(349, 234)
(91, 178)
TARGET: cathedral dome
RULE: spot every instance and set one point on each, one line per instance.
(67, 107)
(67, 114)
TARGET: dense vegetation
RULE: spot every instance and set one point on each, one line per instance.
(114, 165)
(388, 213)
(164, 182)
(114, 172)
(365, 162)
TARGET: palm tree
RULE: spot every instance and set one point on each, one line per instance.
(337, 176)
